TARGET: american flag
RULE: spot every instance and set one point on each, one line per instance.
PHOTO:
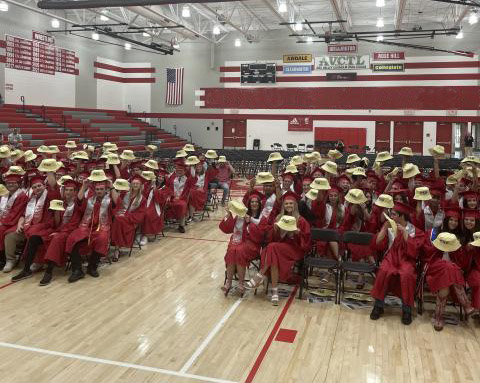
(174, 86)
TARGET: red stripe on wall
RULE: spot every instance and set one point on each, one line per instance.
(419, 65)
(114, 68)
(346, 117)
(387, 77)
(3, 44)
(3, 59)
(77, 59)
(375, 97)
(107, 77)
(77, 72)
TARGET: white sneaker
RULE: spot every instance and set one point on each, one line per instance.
(34, 267)
(143, 241)
(9, 266)
(138, 237)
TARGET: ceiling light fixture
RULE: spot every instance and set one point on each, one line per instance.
(298, 26)
(309, 39)
(459, 35)
(473, 18)
(380, 3)
(104, 18)
(216, 30)
(3, 6)
(55, 23)
(186, 11)
(380, 23)
(95, 36)
(282, 7)
(238, 42)
(145, 34)
(380, 38)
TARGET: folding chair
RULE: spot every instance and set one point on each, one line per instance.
(311, 261)
(348, 266)
(135, 241)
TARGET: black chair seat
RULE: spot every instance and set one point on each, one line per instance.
(358, 267)
(323, 263)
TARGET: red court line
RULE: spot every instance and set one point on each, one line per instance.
(6, 285)
(269, 341)
(194, 239)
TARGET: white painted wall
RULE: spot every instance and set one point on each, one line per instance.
(429, 136)
(39, 88)
(270, 131)
(138, 96)
(208, 139)
(110, 95)
(369, 125)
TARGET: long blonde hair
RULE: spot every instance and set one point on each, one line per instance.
(295, 213)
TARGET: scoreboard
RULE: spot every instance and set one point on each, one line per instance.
(258, 73)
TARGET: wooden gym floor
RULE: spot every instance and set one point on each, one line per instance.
(160, 316)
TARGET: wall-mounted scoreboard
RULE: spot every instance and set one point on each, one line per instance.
(258, 73)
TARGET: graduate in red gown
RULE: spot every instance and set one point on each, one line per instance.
(288, 241)
(38, 221)
(93, 234)
(67, 217)
(473, 274)
(247, 235)
(397, 273)
(181, 184)
(157, 194)
(12, 207)
(129, 213)
(199, 191)
(443, 266)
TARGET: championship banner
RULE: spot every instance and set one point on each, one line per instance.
(342, 48)
(301, 58)
(399, 67)
(350, 62)
(379, 56)
(300, 124)
(297, 69)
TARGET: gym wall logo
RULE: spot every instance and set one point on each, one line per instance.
(301, 58)
(300, 124)
(350, 62)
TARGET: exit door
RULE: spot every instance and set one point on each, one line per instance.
(382, 136)
(408, 134)
(444, 136)
(234, 134)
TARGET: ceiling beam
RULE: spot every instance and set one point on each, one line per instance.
(278, 15)
(251, 13)
(399, 13)
(226, 20)
(340, 8)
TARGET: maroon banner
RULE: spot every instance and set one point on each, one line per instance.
(38, 56)
(43, 37)
(342, 48)
(379, 56)
(300, 124)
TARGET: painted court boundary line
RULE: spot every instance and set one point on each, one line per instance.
(209, 337)
(195, 239)
(113, 363)
(270, 338)
(6, 285)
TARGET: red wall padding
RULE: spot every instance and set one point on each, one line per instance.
(405, 97)
(349, 136)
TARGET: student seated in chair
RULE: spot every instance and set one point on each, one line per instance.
(402, 243)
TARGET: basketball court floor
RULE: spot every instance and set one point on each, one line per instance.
(160, 316)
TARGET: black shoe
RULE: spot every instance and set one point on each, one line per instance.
(376, 313)
(93, 273)
(75, 276)
(181, 229)
(406, 317)
(47, 278)
(24, 274)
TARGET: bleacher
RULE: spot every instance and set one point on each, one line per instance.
(40, 125)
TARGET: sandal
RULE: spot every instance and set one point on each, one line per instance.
(227, 287)
(255, 281)
(241, 290)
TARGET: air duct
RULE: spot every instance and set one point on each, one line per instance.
(85, 4)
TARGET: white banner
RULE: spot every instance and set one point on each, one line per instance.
(350, 62)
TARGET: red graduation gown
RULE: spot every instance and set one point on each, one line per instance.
(125, 223)
(397, 271)
(153, 222)
(248, 248)
(284, 252)
(178, 205)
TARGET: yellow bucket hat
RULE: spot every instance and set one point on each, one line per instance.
(121, 185)
(57, 205)
(287, 223)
